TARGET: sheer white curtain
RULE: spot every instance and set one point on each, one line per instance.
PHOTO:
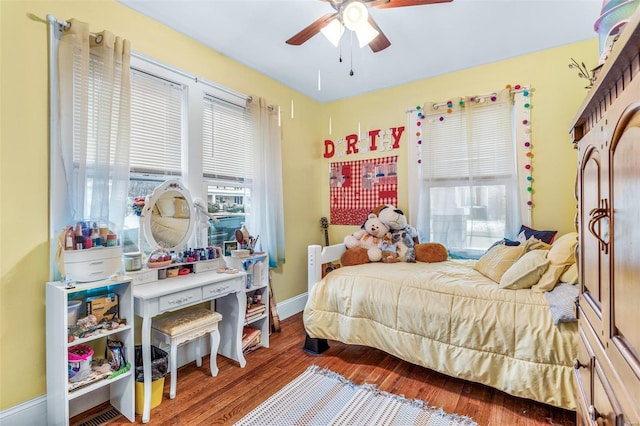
(463, 183)
(267, 208)
(94, 123)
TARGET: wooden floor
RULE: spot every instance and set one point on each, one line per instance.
(205, 400)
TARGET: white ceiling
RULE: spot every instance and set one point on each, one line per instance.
(425, 40)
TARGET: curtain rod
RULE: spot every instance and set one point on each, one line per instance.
(67, 25)
(269, 107)
(438, 105)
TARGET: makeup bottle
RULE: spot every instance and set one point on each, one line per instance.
(95, 231)
(79, 242)
(69, 239)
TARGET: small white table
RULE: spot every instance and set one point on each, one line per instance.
(227, 295)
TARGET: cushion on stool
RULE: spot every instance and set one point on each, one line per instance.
(185, 320)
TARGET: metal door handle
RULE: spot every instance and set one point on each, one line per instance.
(598, 214)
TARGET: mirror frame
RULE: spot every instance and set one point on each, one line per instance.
(147, 212)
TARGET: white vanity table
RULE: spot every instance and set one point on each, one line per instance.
(167, 221)
(227, 295)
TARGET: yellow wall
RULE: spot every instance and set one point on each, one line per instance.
(24, 157)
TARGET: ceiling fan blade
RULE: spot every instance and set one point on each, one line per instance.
(381, 41)
(387, 4)
(312, 29)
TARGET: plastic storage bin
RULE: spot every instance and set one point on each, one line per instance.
(73, 311)
(80, 357)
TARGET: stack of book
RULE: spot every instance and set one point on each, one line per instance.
(250, 339)
(255, 310)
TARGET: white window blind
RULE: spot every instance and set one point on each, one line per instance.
(227, 152)
(471, 144)
(156, 124)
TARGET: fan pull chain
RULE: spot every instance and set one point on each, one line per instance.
(351, 51)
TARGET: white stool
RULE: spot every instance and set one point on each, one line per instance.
(183, 326)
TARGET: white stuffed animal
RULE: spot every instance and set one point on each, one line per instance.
(403, 234)
(370, 236)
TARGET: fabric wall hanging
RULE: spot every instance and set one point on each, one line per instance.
(356, 187)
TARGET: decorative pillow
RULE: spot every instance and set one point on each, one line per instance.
(526, 233)
(562, 249)
(166, 206)
(526, 271)
(496, 261)
(560, 258)
(570, 276)
(182, 209)
(504, 242)
(549, 279)
(562, 303)
(535, 244)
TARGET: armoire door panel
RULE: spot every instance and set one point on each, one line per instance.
(625, 175)
(590, 261)
(624, 350)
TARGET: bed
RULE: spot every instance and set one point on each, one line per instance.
(448, 317)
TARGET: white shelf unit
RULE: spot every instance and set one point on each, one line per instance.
(62, 403)
(257, 268)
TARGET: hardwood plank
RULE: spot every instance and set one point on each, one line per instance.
(205, 400)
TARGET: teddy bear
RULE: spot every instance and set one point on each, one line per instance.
(403, 235)
(409, 247)
(431, 252)
(354, 256)
(389, 250)
(370, 236)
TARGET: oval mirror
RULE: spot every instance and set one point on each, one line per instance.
(168, 216)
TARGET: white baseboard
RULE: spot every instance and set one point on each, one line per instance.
(291, 306)
(34, 411)
(28, 413)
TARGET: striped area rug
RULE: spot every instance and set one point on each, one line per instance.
(321, 397)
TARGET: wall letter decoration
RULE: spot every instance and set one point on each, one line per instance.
(329, 148)
(373, 140)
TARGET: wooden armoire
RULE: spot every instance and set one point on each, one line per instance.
(606, 133)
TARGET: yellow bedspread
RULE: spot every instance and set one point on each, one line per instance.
(448, 317)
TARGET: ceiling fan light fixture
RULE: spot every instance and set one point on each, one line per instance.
(366, 34)
(355, 15)
(333, 32)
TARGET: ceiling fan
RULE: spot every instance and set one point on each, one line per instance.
(353, 14)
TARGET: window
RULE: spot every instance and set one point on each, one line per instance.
(181, 125)
(467, 191)
(227, 166)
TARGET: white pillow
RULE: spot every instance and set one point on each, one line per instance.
(561, 256)
(526, 271)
